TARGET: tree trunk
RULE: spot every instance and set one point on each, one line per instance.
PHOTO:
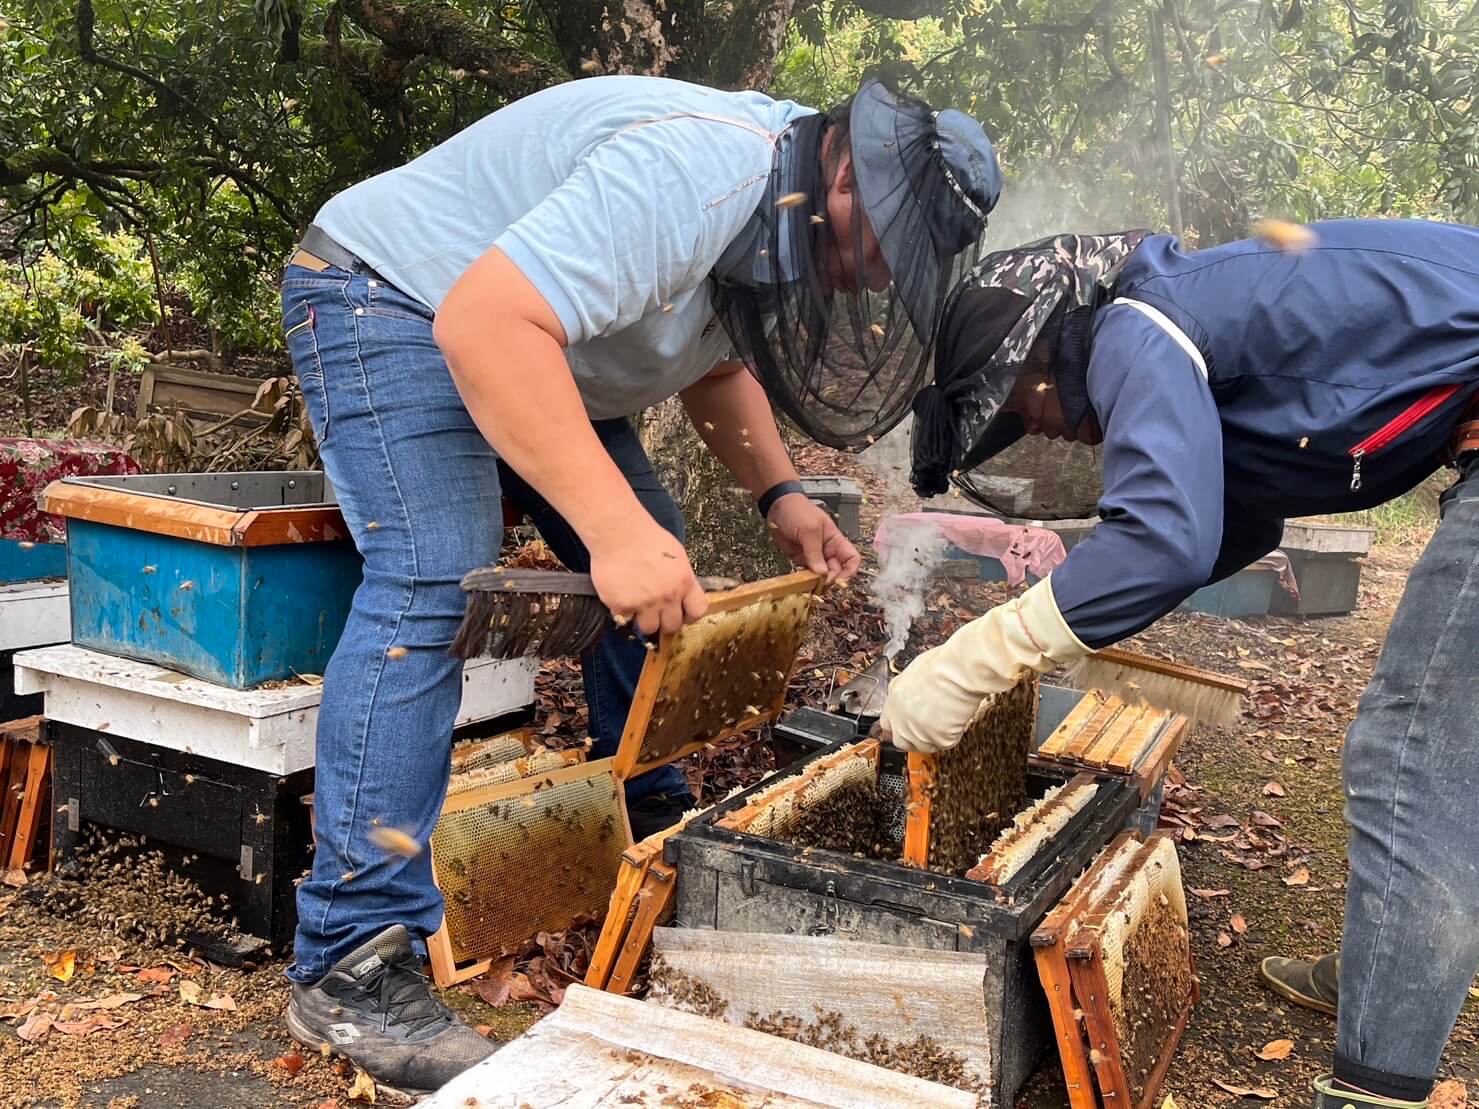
(726, 537)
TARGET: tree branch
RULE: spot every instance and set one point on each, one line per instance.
(440, 30)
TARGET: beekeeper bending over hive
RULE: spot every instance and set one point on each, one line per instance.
(482, 323)
(1229, 389)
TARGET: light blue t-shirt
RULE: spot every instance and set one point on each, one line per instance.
(614, 195)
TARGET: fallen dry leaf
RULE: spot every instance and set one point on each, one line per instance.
(1265, 820)
(1224, 940)
(493, 987)
(176, 1034)
(291, 1062)
(61, 965)
(156, 974)
(1239, 925)
(112, 1001)
(35, 1028)
(1275, 1050)
(1169, 1103)
(1222, 820)
(1274, 789)
(95, 1023)
(363, 1088)
(1243, 1091)
(1452, 1094)
(1209, 894)
(1300, 877)
(332, 1103)
(192, 994)
(15, 877)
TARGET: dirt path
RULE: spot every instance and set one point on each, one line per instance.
(157, 1046)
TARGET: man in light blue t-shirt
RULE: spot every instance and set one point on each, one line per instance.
(482, 323)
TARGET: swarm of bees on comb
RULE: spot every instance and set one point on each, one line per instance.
(980, 784)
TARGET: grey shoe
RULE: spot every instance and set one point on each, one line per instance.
(376, 1009)
(1315, 985)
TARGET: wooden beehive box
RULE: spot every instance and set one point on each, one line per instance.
(758, 863)
(237, 579)
(1114, 959)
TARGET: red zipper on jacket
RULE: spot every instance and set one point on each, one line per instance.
(1399, 424)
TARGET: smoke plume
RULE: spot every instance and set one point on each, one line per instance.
(914, 550)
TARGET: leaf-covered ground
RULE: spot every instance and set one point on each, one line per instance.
(89, 1018)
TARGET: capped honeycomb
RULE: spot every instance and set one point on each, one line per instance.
(516, 858)
(1032, 828)
(1147, 963)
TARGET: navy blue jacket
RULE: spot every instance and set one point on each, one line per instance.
(1334, 377)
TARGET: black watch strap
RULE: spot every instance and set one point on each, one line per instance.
(775, 493)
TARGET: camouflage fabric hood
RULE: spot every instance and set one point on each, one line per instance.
(992, 320)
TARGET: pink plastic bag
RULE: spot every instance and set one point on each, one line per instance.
(1019, 549)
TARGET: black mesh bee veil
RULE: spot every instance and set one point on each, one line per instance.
(838, 322)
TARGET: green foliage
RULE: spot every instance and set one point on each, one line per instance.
(1305, 109)
(62, 305)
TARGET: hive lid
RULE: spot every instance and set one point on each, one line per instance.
(162, 504)
(721, 675)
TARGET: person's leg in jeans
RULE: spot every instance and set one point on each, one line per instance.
(1411, 944)
(610, 670)
(419, 489)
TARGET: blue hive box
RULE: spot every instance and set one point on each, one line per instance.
(1249, 592)
(23, 561)
(236, 579)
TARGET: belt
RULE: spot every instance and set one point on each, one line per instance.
(1466, 434)
(317, 251)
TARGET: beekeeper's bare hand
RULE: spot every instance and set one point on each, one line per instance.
(645, 577)
(810, 538)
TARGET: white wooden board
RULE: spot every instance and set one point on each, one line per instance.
(33, 614)
(899, 993)
(600, 1048)
(265, 729)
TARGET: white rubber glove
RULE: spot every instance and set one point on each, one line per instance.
(931, 703)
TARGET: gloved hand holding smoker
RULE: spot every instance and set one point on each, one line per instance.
(1227, 390)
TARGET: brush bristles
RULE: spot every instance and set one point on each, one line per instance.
(1202, 703)
(513, 625)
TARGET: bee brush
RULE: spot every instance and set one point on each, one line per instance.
(546, 613)
(1202, 695)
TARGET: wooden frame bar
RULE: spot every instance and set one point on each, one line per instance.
(920, 782)
(1070, 938)
(629, 761)
(741, 819)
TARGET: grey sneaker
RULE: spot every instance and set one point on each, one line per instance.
(1315, 985)
(376, 1009)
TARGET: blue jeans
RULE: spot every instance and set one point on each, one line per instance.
(420, 489)
(1411, 945)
